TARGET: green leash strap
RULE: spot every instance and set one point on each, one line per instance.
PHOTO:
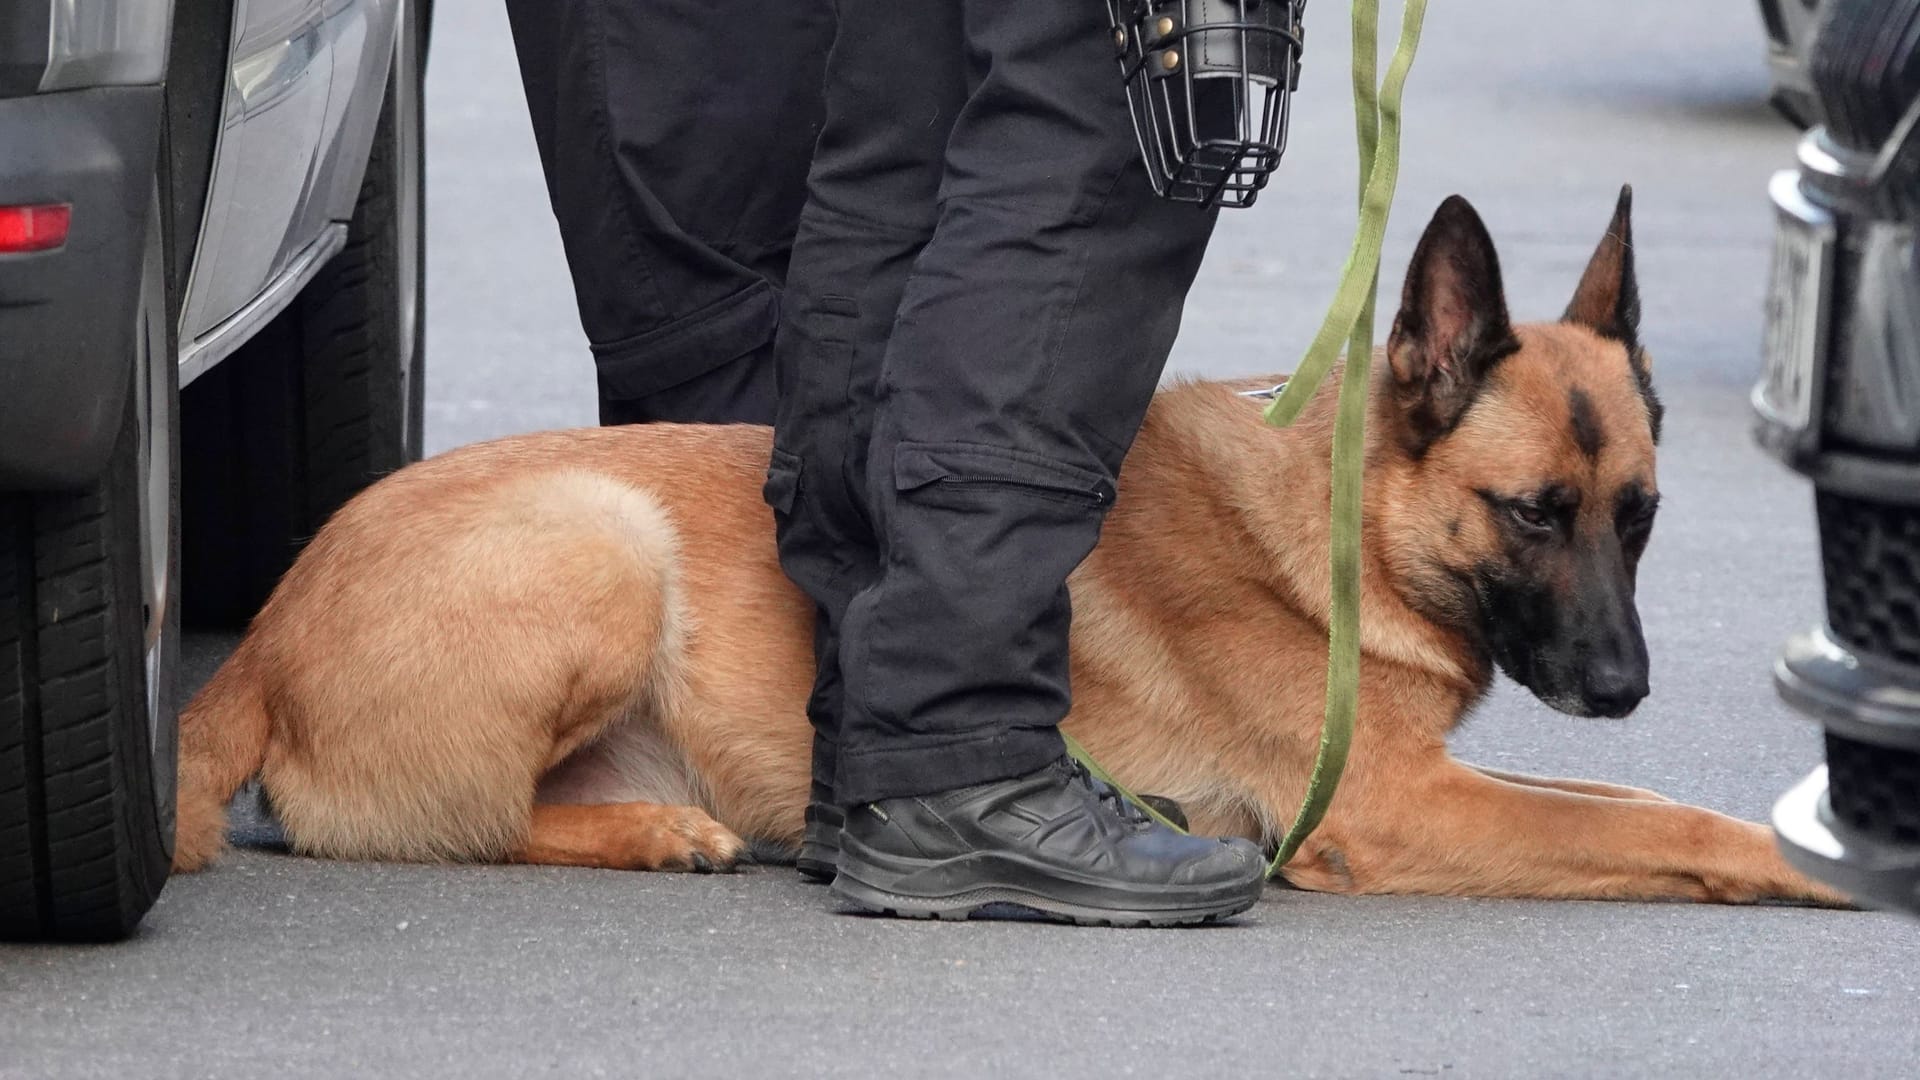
(1349, 320)
(1377, 122)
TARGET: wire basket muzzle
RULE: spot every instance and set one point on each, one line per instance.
(1210, 85)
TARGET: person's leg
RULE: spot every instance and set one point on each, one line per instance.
(871, 208)
(1029, 342)
(1029, 339)
(675, 136)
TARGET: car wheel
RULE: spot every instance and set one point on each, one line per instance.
(88, 635)
(325, 399)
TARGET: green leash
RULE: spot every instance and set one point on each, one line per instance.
(1350, 319)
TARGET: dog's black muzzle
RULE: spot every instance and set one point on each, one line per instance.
(1210, 85)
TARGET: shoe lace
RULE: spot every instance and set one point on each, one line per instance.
(1110, 798)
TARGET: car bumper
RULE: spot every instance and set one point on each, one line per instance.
(67, 316)
(1855, 822)
(1871, 871)
(1860, 432)
(1847, 289)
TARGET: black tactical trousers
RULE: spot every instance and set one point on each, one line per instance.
(980, 302)
(974, 313)
(675, 137)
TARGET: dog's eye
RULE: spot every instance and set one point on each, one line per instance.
(1635, 532)
(1635, 516)
(1531, 515)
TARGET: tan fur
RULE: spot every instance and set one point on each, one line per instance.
(628, 836)
(599, 617)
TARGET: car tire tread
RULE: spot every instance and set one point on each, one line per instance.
(88, 857)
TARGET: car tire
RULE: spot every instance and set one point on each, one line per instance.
(88, 636)
(327, 398)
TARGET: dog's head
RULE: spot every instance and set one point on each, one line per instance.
(1520, 465)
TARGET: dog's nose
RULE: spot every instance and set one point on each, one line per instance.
(1614, 689)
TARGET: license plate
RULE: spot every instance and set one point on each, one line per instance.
(1797, 308)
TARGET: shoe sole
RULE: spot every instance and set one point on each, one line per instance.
(978, 902)
(852, 886)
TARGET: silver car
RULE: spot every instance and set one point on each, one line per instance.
(210, 337)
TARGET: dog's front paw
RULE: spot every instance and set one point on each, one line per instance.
(684, 838)
(629, 836)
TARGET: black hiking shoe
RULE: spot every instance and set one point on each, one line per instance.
(820, 847)
(1054, 841)
(819, 857)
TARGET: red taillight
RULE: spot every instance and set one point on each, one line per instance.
(33, 228)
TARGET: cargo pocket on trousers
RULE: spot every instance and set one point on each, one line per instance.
(971, 615)
(808, 552)
(937, 473)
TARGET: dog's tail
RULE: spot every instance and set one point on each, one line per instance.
(223, 739)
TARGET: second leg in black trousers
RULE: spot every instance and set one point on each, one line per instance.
(875, 186)
(1030, 332)
(675, 137)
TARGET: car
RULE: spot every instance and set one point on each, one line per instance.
(211, 270)
(1839, 401)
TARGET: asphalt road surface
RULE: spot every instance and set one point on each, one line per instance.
(276, 966)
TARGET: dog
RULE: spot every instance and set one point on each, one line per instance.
(578, 648)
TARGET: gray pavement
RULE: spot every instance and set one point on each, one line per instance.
(275, 966)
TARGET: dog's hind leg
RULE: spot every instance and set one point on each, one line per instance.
(424, 685)
(1578, 787)
(629, 836)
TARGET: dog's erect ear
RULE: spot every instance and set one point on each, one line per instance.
(1608, 299)
(1452, 326)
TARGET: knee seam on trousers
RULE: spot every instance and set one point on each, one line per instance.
(693, 344)
(898, 228)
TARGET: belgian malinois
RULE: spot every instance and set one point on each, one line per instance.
(578, 647)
